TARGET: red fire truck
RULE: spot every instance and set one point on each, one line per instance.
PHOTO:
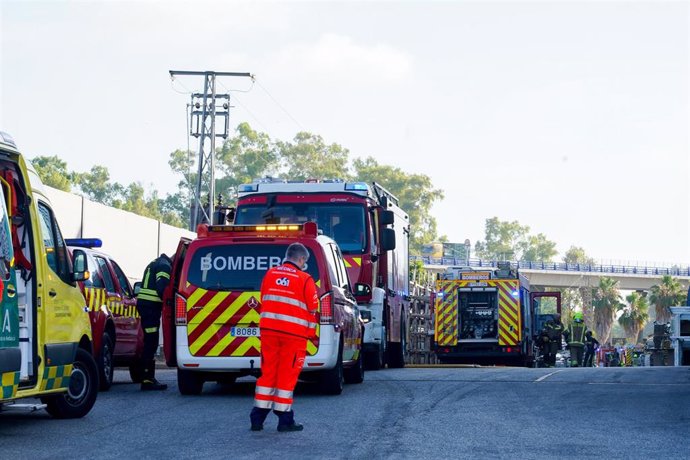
(372, 232)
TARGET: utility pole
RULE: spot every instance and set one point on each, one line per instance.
(205, 108)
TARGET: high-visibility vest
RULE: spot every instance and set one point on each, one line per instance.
(289, 301)
(156, 277)
(577, 334)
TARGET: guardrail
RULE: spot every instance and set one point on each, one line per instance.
(556, 266)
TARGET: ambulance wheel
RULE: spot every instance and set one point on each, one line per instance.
(82, 391)
(331, 381)
(136, 372)
(106, 368)
(355, 374)
(189, 383)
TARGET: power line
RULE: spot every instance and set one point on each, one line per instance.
(251, 114)
(299, 125)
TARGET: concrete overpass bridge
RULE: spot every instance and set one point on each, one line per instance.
(562, 275)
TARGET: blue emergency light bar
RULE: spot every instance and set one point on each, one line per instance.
(84, 242)
(357, 186)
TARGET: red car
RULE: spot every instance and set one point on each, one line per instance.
(117, 337)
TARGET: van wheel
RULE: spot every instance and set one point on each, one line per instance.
(82, 391)
(189, 383)
(106, 369)
(355, 374)
(136, 372)
(331, 381)
(396, 350)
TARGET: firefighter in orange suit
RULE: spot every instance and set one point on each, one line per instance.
(288, 305)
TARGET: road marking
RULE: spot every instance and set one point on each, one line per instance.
(544, 377)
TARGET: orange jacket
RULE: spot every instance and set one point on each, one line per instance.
(289, 301)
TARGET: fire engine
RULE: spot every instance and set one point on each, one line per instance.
(45, 336)
(372, 232)
(489, 315)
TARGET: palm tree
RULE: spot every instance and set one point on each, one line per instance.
(666, 294)
(606, 303)
(634, 316)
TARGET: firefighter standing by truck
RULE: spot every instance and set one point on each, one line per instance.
(576, 339)
(551, 340)
(289, 302)
(149, 304)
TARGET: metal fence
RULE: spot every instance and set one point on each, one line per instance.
(556, 266)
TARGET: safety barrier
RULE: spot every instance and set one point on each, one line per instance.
(556, 266)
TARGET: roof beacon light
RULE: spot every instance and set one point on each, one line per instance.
(84, 242)
(308, 229)
(356, 186)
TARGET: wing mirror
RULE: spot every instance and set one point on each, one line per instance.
(388, 239)
(136, 288)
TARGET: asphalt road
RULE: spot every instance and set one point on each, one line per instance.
(441, 413)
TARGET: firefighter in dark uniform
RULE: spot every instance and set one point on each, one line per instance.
(551, 339)
(149, 305)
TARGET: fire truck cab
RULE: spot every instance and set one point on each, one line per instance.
(211, 313)
(489, 315)
(372, 232)
(45, 336)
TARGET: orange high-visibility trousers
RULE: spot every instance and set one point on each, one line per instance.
(282, 358)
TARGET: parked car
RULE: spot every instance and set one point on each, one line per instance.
(117, 337)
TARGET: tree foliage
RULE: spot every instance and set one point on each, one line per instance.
(309, 156)
(53, 172)
(606, 304)
(504, 240)
(634, 316)
(667, 293)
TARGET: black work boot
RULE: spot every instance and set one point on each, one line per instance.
(286, 421)
(258, 416)
(149, 382)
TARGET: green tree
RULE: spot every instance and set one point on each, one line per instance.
(606, 303)
(576, 255)
(96, 185)
(539, 248)
(308, 156)
(415, 192)
(246, 156)
(502, 240)
(668, 293)
(634, 316)
(53, 172)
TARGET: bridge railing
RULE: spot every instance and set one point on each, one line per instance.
(560, 266)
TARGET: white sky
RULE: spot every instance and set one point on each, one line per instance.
(571, 117)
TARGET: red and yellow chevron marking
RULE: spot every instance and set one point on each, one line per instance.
(446, 330)
(97, 297)
(509, 332)
(509, 317)
(353, 262)
(211, 315)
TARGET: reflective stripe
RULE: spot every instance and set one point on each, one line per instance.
(261, 404)
(148, 294)
(284, 394)
(162, 275)
(312, 326)
(281, 407)
(151, 330)
(265, 391)
(289, 319)
(283, 299)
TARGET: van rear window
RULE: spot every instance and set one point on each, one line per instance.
(238, 266)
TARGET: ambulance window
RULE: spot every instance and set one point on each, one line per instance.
(122, 279)
(56, 250)
(103, 267)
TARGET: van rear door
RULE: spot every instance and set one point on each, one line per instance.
(10, 354)
(168, 315)
(222, 293)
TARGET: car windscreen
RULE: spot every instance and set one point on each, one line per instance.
(238, 266)
(342, 222)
